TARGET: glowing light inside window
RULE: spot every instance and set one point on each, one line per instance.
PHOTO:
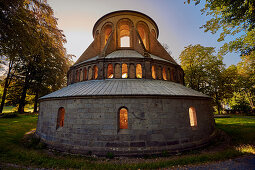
(153, 72)
(125, 41)
(124, 71)
(123, 118)
(192, 116)
(139, 73)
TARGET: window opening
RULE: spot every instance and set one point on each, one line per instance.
(109, 71)
(123, 118)
(139, 72)
(164, 73)
(95, 72)
(192, 116)
(153, 72)
(124, 71)
(61, 117)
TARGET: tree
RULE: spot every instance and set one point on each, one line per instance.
(206, 72)
(236, 18)
(29, 34)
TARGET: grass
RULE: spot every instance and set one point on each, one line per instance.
(240, 129)
(8, 109)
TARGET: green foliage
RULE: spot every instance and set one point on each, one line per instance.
(236, 18)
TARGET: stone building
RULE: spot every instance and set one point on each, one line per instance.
(125, 95)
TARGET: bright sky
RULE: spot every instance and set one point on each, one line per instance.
(178, 23)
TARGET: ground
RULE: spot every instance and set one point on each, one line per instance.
(15, 154)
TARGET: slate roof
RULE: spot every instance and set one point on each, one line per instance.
(124, 54)
(112, 87)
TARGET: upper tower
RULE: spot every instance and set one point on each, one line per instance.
(125, 45)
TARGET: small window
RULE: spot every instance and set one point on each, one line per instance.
(125, 41)
(95, 72)
(61, 117)
(109, 71)
(123, 118)
(81, 75)
(139, 72)
(124, 71)
(192, 117)
(153, 72)
(164, 73)
(90, 73)
(117, 71)
(84, 74)
(77, 76)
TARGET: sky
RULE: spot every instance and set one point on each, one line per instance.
(178, 23)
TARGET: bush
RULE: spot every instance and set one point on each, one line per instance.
(110, 155)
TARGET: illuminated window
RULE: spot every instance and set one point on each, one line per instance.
(192, 116)
(142, 29)
(77, 76)
(139, 72)
(164, 73)
(95, 72)
(153, 72)
(109, 71)
(117, 71)
(107, 33)
(125, 41)
(90, 73)
(124, 33)
(84, 74)
(124, 71)
(61, 117)
(123, 118)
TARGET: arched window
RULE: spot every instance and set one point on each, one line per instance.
(84, 73)
(77, 76)
(117, 71)
(124, 37)
(123, 118)
(124, 71)
(172, 75)
(153, 72)
(81, 75)
(131, 71)
(168, 74)
(95, 69)
(192, 116)
(142, 29)
(139, 72)
(107, 33)
(109, 71)
(164, 73)
(90, 73)
(61, 117)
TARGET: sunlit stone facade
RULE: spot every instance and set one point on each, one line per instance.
(125, 95)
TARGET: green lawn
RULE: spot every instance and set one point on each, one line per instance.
(8, 109)
(12, 151)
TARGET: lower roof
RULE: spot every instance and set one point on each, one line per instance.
(128, 87)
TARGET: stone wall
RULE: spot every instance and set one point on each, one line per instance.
(155, 124)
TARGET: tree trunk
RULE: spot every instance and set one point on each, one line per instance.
(35, 102)
(6, 85)
(4, 94)
(22, 101)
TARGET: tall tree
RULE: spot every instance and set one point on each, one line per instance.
(204, 72)
(236, 17)
(30, 33)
